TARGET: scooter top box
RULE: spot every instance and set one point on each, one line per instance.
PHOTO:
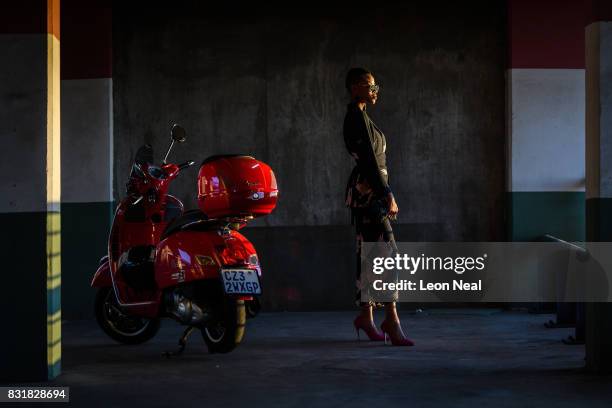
(236, 186)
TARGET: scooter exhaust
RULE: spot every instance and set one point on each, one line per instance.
(184, 310)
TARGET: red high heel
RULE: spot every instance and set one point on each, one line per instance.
(371, 332)
(400, 341)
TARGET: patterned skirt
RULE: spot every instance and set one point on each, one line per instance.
(371, 226)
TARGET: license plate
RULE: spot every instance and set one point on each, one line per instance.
(241, 281)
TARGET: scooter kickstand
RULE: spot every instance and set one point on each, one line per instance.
(182, 343)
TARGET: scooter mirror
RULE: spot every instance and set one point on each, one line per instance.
(178, 133)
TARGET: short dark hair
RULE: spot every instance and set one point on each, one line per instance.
(354, 75)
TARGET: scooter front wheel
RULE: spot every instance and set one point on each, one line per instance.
(226, 330)
(120, 326)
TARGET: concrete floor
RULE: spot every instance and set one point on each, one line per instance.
(462, 358)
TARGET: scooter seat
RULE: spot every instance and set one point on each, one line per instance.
(189, 219)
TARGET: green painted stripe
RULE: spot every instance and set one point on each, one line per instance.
(54, 300)
(23, 348)
(533, 214)
(599, 219)
(85, 229)
(54, 370)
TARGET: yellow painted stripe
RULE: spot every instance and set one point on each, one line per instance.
(54, 332)
(54, 353)
(54, 220)
(54, 283)
(54, 245)
(53, 124)
(54, 225)
(55, 317)
(54, 337)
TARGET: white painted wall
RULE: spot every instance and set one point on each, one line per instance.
(87, 140)
(546, 130)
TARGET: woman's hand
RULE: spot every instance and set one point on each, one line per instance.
(392, 208)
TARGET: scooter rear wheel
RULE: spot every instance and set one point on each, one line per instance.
(226, 330)
(119, 326)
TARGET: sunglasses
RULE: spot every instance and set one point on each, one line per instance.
(374, 88)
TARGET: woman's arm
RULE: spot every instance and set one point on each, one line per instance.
(358, 140)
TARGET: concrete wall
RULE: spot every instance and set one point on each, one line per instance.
(546, 120)
(270, 82)
(87, 147)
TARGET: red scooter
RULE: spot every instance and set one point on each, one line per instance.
(192, 266)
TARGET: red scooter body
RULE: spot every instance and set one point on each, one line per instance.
(158, 253)
(188, 256)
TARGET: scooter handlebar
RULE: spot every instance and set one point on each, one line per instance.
(188, 163)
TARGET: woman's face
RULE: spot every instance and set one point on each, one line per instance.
(366, 90)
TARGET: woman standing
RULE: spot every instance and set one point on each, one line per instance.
(369, 196)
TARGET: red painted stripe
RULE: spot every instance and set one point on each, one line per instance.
(87, 41)
(53, 18)
(23, 17)
(546, 33)
(598, 10)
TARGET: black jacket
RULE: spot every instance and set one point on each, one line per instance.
(367, 144)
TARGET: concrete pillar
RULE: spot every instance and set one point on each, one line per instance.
(598, 41)
(87, 147)
(545, 119)
(30, 344)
